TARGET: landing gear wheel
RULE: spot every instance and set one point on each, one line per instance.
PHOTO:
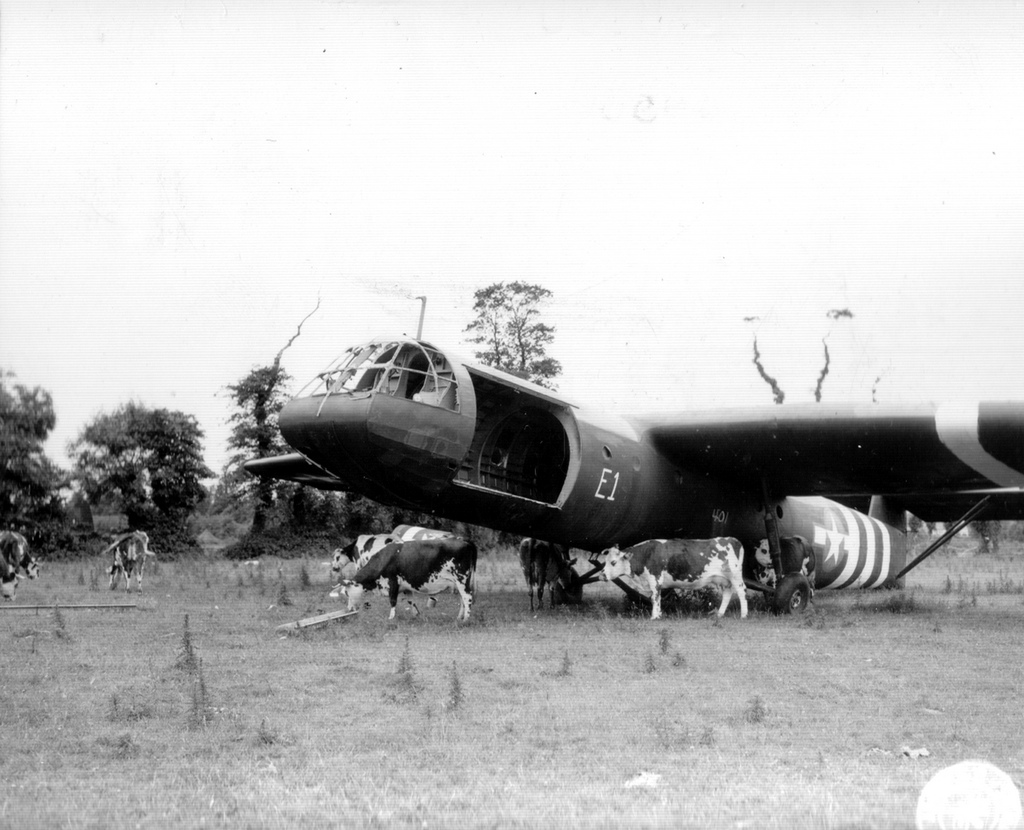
(793, 594)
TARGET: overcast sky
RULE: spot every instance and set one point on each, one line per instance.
(180, 182)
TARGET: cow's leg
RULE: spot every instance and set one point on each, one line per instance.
(393, 595)
(530, 588)
(741, 589)
(726, 599)
(113, 576)
(466, 599)
(655, 587)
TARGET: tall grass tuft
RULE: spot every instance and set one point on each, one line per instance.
(650, 666)
(405, 661)
(187, 660)
(60, 630)
(565, 670)
(664, 641)
(456, 696)
(756, 711)
(304, 581)
(283, 597)
(200, 713)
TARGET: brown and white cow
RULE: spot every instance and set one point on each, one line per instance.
(130, 552)
(659, 565)
(546, 563)
(15, 561)
(427, 566)
(797, 557)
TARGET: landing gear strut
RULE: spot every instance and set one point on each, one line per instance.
(792, 591)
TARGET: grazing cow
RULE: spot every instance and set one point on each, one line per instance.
(427, 566)
(547, 563)
(688, 564)
(8, 586)
(351, 557)
(14, 556)
(130, 552)
(797, 557)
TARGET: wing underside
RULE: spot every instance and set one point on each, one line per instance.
(295, 467)
(935, 461)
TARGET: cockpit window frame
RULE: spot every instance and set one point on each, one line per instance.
(407, 369)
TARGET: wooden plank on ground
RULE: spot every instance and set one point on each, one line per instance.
(321, 619)
(62, 607)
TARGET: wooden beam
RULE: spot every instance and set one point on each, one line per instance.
(321, 619)
(62, 607)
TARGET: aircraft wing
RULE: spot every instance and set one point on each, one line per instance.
(935, 458)
(294, 467)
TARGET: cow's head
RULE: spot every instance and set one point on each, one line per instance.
(568, 585)
(616, 564)
(8, 587)
(343, 559)
(352, 591)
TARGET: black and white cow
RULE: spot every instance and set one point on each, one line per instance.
(688, 564)
(15, 561)
(428, 566)
(130, 552)
(351, 557)
(546, 563)
(797, 557)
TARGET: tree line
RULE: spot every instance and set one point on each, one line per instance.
(146, 464)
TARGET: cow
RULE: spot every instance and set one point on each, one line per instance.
(547, 563)
(8, 586)
(797, 557)
(351, 557)
(15, 562)
(687, 564)
(130, 552)
(426, 566)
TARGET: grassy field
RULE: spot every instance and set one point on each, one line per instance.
(585, 717)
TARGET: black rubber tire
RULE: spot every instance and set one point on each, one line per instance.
(793, 594)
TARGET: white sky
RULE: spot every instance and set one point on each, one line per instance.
(180, 181)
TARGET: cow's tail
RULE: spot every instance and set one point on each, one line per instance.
(471, 581)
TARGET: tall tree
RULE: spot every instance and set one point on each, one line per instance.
(259, 396)
(29, 481)
(512, 337)
(150, 460)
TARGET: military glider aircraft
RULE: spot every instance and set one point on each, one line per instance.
(407, 424)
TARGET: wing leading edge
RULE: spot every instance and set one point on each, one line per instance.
(934, 459)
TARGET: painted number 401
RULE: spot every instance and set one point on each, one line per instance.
(609, 479)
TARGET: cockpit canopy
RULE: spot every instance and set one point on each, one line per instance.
(409, 369)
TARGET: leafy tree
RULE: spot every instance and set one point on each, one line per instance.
(259, 396)
(509, 331)
(29, 482)
(151, 460)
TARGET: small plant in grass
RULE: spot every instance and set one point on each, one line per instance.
(122, 745)
(187, 660)
(127, 711)
(678, 661)
(60, 630)
(707, 736)
(650, 666)
(304, 581)
(756, 711)
(566, 668)
(456, 697)
(899, 603)
(81, 576)
(669, 734)
(94, 580)
(283, 597)
(405, 661)
(948, 587)
(266, 735)
(200, 713)
(663, 641)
